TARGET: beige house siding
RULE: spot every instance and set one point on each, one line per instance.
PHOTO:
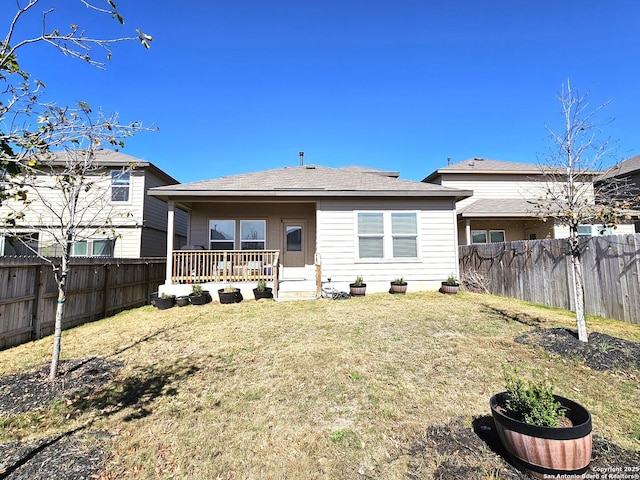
(128, 218)
(273, 213)
(502, 186)
(337, 243)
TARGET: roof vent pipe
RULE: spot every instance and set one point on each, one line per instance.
(301, 158)
(448, 161)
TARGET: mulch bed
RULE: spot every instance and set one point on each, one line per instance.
(455, 448)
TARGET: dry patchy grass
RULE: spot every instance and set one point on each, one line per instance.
(325, 389)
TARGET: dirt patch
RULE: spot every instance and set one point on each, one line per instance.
(32, 390)
(602, 352)
(70, 456)
(455, 450)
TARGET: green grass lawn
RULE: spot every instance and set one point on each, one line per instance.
(316, 389)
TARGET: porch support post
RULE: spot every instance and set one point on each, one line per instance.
(467, 231)
(170, 235)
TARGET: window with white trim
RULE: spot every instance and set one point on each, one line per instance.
(253, 234)
(222, 234)
(120, 185)
(93, 248)
(492, 236)
(391, 235)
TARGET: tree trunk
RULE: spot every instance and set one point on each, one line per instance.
(578, 290)
(61, 280)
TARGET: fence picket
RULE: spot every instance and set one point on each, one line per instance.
(539, 271)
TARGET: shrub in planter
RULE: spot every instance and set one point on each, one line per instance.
(198, 296)
(165, 301)
(262, 291)
(358, 288)
(548, 435)
(450, 286)
(398, 286)
(230, 294)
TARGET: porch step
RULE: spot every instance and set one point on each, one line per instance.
(291, 290)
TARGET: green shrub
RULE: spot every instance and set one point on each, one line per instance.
(531, 402)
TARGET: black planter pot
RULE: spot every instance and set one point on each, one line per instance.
(230, 297)
(357, 290)
(200, 298)
(266, 293)
(546, 452)
(182, 301)
(163, 303)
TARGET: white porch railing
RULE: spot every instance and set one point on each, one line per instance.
(202, 266)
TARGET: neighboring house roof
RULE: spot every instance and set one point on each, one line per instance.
(483, 166)
(309, 181)
(113, 159)
(626, 167)
(499, 207)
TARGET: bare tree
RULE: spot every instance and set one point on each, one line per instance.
(32, 132)
(573, 195)
(68, 195)
(20, 136)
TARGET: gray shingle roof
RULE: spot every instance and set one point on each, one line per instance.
(499, 207)
(309, 180)
(483, 166)
(626, 167)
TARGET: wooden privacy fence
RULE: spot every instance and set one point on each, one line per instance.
(97, 288)
(539, 271)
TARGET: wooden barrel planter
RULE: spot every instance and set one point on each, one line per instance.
(547, 450)
(398, 287)
(357, 290)
(449, 289)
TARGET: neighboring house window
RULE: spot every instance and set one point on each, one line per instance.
(222, 234)
(93, 248)
(253, 234)
(120, 185)
(387, 235)
(480, 236)
(591, 230)
(584, 230)
(23, 244)
(496, 236)
(102, 248)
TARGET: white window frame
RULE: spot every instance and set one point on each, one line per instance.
(487, 236)
(262, 240)
(387, 236)
(90, 247)
(213, 223)
(476, 232)
(119, 183)
(504, 236)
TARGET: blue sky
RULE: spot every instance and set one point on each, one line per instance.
(244, 85)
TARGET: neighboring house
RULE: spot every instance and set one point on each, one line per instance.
(139, 222)
(627, 170)
(311, 224)
(502, 205)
